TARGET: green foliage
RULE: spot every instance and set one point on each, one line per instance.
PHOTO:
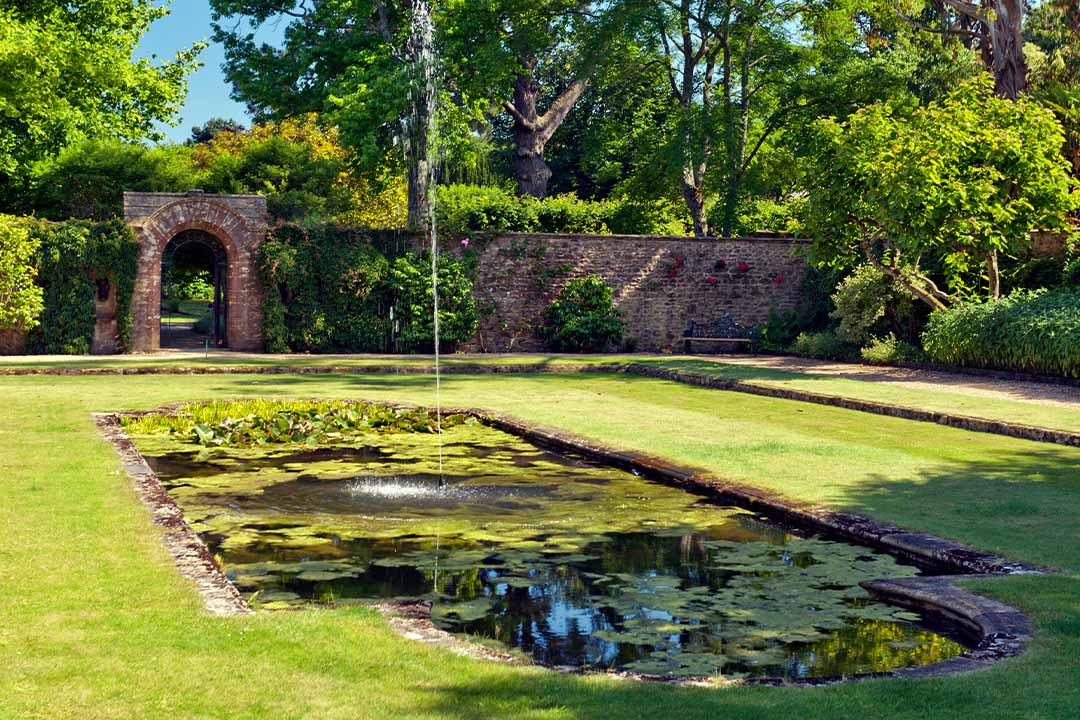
(867, 302)
(72, 255)
(88, 180)
(769, 215)
(187, 283)
(888, 351)
(21, 300)
(1029, 330)
(68, 71)
(271, 423)
(824, 345)
(956, 183)
(583, 318)
(469, 208)
(325, 288)
(410, 283)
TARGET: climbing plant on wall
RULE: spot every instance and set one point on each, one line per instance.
(71, 258)
(325, 290)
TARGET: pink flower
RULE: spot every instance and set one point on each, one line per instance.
(743, 267)
(711, 280)
(465, 242)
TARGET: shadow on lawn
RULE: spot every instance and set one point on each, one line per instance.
(1021, 503)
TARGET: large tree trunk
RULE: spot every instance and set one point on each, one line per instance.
(695, 203)
(1007, 42)
(420, 55)
(532, 131)
(530, 170)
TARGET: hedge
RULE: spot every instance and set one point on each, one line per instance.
(471, 208)
(1034, 331)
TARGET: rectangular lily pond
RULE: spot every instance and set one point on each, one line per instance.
(562, 559)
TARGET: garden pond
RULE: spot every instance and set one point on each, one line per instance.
(559, 558)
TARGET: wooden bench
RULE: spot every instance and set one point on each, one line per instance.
(724, 331)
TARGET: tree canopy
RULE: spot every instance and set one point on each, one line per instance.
(68, 72)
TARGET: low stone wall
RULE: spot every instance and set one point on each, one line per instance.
(660, 283)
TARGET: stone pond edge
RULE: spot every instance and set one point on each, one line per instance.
(994, 630)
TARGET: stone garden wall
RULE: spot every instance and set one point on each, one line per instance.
(660, 283)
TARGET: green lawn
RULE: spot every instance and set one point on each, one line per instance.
(943, 400)
(939, 400)
(95, 622)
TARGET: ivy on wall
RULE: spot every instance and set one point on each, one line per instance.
(71, 258)
(332, 288)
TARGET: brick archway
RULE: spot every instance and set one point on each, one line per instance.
(238, 222)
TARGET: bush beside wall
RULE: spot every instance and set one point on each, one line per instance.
(1034, 331)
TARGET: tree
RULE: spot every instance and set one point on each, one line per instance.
(355, 62)
(67, 71)
(733, 71)
(302, 168)
(516, 52)
(993, 28)
(952, 185)
(1053, 34)
(88, 180)
(201, 134)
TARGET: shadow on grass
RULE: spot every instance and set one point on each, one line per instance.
(1021, 503)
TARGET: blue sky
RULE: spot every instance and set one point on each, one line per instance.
(208, 91)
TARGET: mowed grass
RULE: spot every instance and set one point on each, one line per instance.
(96, 623)
(938, 400)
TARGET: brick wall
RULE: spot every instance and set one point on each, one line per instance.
(660, 283)
(238, 222)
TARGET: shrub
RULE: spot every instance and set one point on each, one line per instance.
(888, 350)
(868, 303)
(825, 345)
(410, 283)
(1028, 330)
(583, 317)
(21, 300)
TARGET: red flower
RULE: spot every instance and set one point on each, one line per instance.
(743, 267)
(779, 279)
(678, 261)
(672, 272)
(711, 280)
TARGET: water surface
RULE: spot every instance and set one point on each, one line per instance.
(567, 561)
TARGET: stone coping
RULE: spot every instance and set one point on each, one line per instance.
(992, 629)
(686, 377)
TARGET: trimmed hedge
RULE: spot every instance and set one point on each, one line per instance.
(1034, 331)
(471, 208)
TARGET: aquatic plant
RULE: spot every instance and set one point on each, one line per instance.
(260, 422)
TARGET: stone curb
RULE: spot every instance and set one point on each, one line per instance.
(962, 422)
(192, 557)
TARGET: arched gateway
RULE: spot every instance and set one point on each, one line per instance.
(230, 228)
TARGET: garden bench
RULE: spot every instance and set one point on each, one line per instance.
(721, 332)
